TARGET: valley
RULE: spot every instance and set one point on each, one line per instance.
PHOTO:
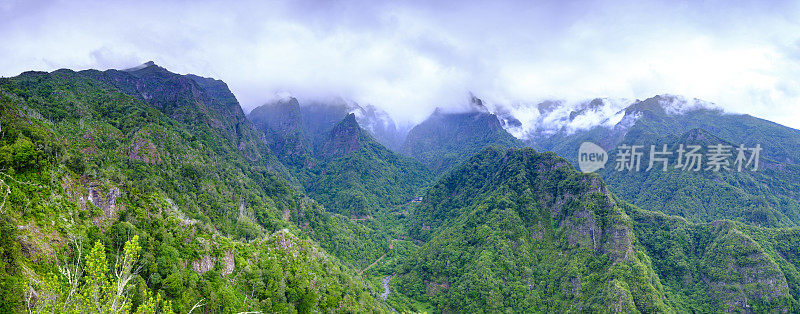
(159, 183)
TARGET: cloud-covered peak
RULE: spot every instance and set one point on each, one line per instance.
(410, 57)
(675, 104)
(552, 116)
(141, 66)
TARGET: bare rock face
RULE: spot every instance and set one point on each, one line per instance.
(107, 203)
(204, 264)
(229, 263)
(142, 149)
(583, 228)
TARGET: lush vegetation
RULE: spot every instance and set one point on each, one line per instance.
(147, 191)
(767, 197)
(517, 230)
(87, 165)
(722, 265)
(343, 167)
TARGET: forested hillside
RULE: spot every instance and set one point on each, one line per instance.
(722, 265)
(767, 197)
(520, 230)
(159, 177)
(148, 191)
(342, 166)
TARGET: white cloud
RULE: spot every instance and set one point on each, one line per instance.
(410, 57)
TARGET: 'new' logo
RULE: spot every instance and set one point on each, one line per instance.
(591, 157)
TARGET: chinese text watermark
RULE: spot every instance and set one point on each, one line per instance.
(717, 157)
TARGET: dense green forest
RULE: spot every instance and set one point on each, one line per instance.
(722, 265)
(148, 191)
(89, 165)
(766, 197)
(520, 230)
(342, 166)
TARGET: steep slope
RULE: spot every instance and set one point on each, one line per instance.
(357, 175)
(722, 265)
(765, 197)
(100, 157)
(519, 230)
(315, 118)
(205, 105)
(445, 140)
(342, 166)
(285, 130)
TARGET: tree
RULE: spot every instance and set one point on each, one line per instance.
(103, 291)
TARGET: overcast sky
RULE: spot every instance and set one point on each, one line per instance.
(408, 57)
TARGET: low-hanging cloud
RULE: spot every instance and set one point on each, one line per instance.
(410, 57)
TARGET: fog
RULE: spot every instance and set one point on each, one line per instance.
(412, 56)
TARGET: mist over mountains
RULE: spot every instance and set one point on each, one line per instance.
(525, 121)
(333, 205)
(351, 156)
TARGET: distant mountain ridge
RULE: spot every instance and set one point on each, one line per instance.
(445, 139)
(766, 197)
(339, 164)
(315, 117)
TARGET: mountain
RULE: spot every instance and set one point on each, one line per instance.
(317, 117)
(519, 230)
(358, 175)
(721, 265)
(445, 139)
(766, 197)
(283, 124)
(163, 173)
(341, 166)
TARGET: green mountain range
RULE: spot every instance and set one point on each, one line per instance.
(147, 191)
(518, 230)
(766, 197)
(91, 159)
(341, 166)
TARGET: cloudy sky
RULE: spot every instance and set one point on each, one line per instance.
(408, 57)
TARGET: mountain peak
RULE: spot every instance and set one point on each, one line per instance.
(350, 120)
(142, 66)
(344, 138)
(476, 104)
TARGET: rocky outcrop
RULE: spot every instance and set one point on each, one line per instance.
(204, 264)
(228, 263)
